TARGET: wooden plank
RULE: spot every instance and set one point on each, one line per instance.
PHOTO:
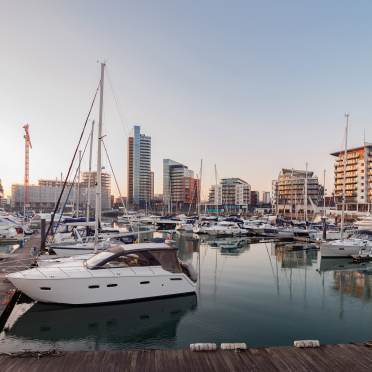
(326, 358)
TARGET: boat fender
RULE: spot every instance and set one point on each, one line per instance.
(234, 346)
(207, 346)
(306, 343)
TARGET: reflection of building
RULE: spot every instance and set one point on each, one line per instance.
(293, 259)
(180, 187)
(231, 193)
(353, 283)
(358, 186)
(139, 168)
(288, 192)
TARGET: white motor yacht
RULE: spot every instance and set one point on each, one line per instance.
(122, 273)
(347, 247)
(225, 228)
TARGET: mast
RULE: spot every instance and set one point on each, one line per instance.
(200, 183)
(324, 193)
(344, 178)
(90, 170)
(216, 191)
(305, 201)
(78, 187)
(99, 164)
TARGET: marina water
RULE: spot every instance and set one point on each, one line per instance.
(261, 293)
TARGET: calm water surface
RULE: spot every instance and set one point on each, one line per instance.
(259, 293)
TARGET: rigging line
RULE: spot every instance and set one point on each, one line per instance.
(113, 173)
(72, 185)
(116, 101)
(117, 186)
(72, 161)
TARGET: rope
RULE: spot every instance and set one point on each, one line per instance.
(72, 185)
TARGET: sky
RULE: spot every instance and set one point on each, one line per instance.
(251, 86)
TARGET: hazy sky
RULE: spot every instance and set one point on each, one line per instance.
(252, 86)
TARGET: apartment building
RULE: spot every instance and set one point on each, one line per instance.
(180, 187)
(289, 189)
(230, 193)
(358, 185)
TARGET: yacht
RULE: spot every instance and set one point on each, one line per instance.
(121, 273)
(8, 234)
(364, 223)
(347, 247)
(225, 228)
(186, 225)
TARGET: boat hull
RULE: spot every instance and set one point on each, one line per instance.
(97, 290)
(339, 250)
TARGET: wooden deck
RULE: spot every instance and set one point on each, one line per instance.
(350, 357)
(20, 260)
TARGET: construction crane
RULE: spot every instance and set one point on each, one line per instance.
(28, 146)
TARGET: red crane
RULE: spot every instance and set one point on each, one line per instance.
(28, 146)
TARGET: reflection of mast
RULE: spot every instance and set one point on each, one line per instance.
(215, 277)
(272, 269)
(277, 275)
(305, 285)
(290, 284)
(341, 315)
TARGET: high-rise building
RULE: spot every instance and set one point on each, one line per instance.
(139, 168)
(180, 187)
(105, 190)
(231, 193)
(2, 199)
(266, 197)
(358, 185)
(152, 188)
(255, 196)
(1, 190)
(288, 192)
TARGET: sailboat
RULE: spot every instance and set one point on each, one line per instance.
(99, 242)
(122, 272)
(351, 246)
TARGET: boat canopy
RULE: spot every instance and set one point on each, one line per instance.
(146, 254)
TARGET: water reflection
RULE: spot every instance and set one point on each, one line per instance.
(152, 323)
(265, 293)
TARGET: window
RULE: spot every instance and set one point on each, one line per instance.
(134, 259)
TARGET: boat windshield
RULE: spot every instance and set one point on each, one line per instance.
(97, 258)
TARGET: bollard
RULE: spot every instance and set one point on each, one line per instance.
(42, 233)
(306, 343)
(203, 347)
(234, 346)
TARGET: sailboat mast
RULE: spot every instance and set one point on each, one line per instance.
(200, 185)
(305, 204)
(99, 164)
(90, 170)
(344, 178)
(324, 193)
(216, 193)
(78, 188)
